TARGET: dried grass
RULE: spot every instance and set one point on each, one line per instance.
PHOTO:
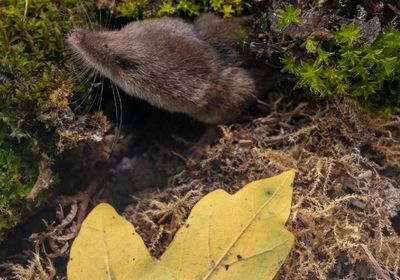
(345, 194)
(37, 268)
(346, 190)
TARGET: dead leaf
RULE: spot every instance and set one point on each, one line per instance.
(239, 236)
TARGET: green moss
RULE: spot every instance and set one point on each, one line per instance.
(34, 66)
(133, 9)
(289, 15)
(349, 67)
(138, 9)
(17, 173)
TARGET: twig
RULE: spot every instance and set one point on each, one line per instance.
(394, 9)
(179, 156)
(44, 180)
(378, 269)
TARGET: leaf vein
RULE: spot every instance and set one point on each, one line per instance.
(211, 271)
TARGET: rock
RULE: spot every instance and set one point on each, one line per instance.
(369, 30)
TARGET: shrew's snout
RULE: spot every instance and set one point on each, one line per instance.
(91, 46)
(75, 36)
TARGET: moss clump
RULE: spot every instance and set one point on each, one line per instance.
(34, 67)
(347, 66)
(17, 174)
(139, 9)
(288, 16)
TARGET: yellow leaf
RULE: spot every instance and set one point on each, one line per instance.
(107, 247)
(239, 236)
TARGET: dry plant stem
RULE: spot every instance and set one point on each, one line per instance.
(36, 268)
(394, 9)
(44, 180)
(201, 147)
(378, 269)
(83, 197)
(58, 235)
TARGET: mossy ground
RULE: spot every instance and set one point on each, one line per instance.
(345, 200)
(147, 9)
(345, 206)
(37, 82)
(345, 194)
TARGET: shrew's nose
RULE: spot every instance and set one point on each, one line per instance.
(76, 36)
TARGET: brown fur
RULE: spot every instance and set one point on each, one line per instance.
(194, 69)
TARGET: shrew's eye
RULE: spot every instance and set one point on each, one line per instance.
(125, 63)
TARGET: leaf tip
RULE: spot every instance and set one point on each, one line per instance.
(103, 206)
(290, 174)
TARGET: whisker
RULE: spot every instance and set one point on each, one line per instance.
(100, 21)
(84, 98)
(115, 108)
(116, 131)
(84, 8)
(101, 97)
(109, 17)
(120, 121)
(97, 93)
(101, 91)
(84, 77)
(121, 111)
